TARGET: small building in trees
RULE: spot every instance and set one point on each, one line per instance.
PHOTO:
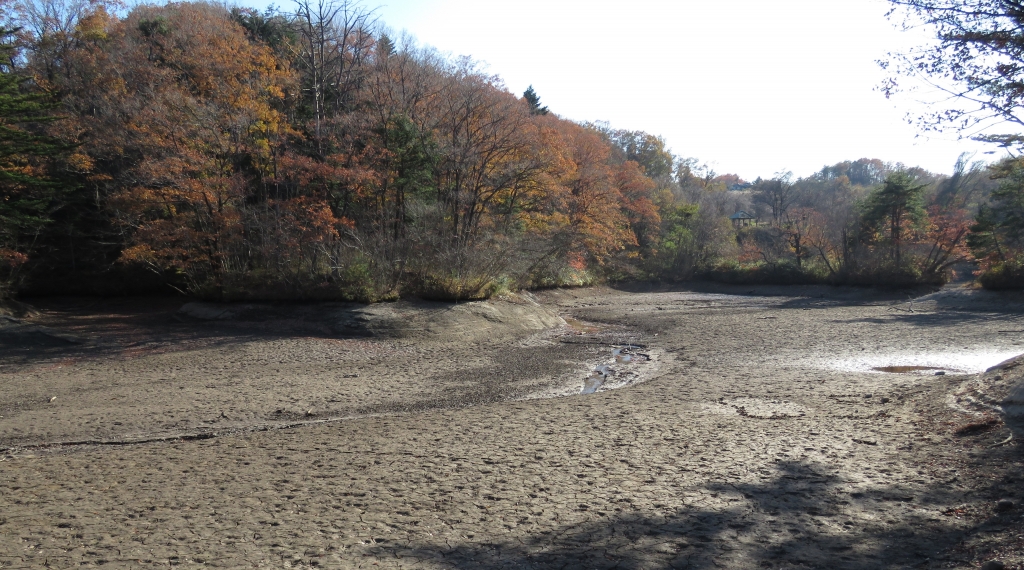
(741, 219)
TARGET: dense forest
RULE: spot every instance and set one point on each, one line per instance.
(233, 154)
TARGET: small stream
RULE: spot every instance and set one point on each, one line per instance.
(622, 355)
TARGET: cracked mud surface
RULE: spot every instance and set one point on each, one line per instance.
(747, 446)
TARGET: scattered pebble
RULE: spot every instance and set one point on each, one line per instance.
(52, 398)
(940, 373)
(993, 565)
(1004, 505)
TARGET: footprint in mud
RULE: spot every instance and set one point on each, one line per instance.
(756, 408)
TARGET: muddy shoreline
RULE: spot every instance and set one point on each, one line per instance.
(311, 443)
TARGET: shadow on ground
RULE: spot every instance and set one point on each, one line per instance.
(943, 319)
(797, 518)
(71, 328)
(86, 328)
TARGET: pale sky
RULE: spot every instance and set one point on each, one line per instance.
(751, 86)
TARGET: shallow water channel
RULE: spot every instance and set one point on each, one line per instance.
(963, 361)
(622, 359)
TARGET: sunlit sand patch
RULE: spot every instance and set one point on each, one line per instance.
(958, 362)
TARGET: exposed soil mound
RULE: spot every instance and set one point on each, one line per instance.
(16, 333)
(15, 309)
(511, 314)
(999, 390)
(969, 299)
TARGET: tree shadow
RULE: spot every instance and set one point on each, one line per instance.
(84, 328)
(842, 294)
(798, 518)
(922, 319)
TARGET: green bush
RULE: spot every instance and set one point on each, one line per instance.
(353, 282)
(1008, 275)
(783, 273)
(455, 287)
(887, 274)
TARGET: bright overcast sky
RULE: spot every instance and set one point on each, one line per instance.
(751, 86)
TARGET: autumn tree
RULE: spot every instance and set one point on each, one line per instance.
(485, 145)
(949, 218)
(695, 231)
(264, 154)
(860, 172)
(392, 141)
(778, 194)
(453, 160)
(588, 223)
(945, 236)
(647, 150)
(335, 40)
(177, 107)
(637, 203)
(832, 222)
(795, 229)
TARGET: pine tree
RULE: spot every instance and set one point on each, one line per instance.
(534, 101)
(894, 206)
(385, 47)
(27, 195)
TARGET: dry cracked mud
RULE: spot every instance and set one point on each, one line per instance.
(753, 429)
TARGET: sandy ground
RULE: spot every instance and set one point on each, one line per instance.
(751, 430)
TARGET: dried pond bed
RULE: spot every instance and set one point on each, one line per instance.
(743, 448)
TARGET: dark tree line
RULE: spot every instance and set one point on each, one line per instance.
(307, 154)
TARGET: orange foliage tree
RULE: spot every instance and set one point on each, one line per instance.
(240, 154)
(584, 198)
(180, 113)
